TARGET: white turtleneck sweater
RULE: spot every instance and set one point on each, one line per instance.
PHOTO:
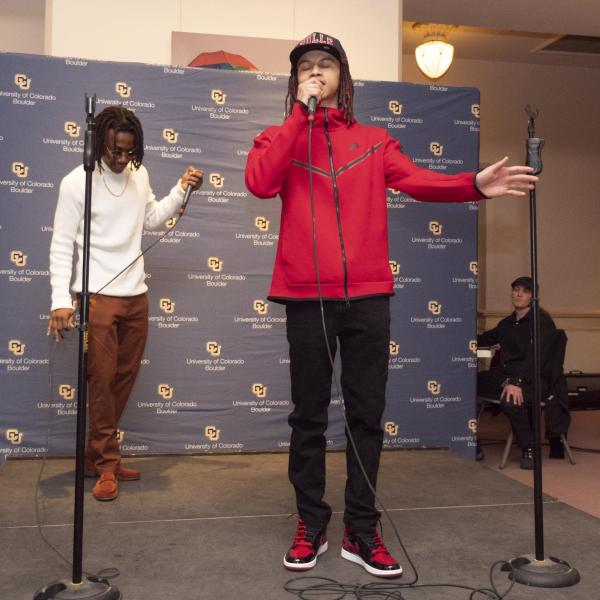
(115, 231)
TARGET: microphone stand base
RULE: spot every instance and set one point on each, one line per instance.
(90, 588)
(550, 572)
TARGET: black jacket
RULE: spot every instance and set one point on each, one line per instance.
(515, 340)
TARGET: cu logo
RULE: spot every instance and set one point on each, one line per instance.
(475, 110)
(120, 436)
(20, 169)
(72, 129)
(16, 347)
(216, 180)
(474, 267)
(22, 81)
(170, 223)
(434, 307)
(215, 264)
(436, 148)
(473, 346)
(164, 390)
(218, 97)
(66, 391)
(391, 428)
(261, 223)
(394, 348)
(18, 258)
(123, 89)
(472, 425)
(395, 107)
(395, 267)
(14, 436)
(259, 390)
(434, 387)
(170, 135)
(435, 227)
(166, 305)
(260, 306)
(213, 348)
(212, 433)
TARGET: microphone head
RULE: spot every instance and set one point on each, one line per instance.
(312, 105)
(90, 104)
(532, 111)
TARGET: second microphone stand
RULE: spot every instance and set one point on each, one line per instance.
(538, 570)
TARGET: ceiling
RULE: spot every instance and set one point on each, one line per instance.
(507, 30)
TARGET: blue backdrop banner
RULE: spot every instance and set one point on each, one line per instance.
(214, 376)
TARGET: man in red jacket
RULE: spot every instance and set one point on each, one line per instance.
(341, 256)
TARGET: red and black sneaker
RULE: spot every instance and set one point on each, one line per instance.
(308, 544)
(368, 550)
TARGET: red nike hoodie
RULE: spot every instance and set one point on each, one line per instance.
(352, 167)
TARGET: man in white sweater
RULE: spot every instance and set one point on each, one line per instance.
(123, 204)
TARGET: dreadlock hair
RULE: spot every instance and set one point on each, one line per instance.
(345, 92)
(119, 119)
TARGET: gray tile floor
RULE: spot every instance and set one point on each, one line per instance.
(212, 527)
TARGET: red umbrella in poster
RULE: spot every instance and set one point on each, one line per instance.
(222, 60)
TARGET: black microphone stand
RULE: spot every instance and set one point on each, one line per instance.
(90, 587)
(537, 570)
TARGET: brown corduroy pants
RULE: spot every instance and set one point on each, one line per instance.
(118, 329)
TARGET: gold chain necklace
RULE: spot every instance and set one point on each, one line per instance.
(124, 187)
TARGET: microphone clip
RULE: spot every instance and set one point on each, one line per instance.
(534, 154)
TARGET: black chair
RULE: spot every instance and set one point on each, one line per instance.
(557, 400)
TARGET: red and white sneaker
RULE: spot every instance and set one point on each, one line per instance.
(308, 544)
(369, 551)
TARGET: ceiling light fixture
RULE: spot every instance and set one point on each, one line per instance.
(434, 56)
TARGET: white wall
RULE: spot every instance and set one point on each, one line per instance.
(22, 26)
(140, 30)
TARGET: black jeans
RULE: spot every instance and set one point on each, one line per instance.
(489, 384)
(363, 330)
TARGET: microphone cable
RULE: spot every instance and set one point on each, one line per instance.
(106, 573)
(168, 232)
(376, 590)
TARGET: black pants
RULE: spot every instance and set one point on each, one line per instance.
(363, 331)
(557, 418)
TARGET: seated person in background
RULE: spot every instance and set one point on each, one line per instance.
(511, 381)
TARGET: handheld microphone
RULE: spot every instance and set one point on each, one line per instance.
(186, 198)
(312, 107)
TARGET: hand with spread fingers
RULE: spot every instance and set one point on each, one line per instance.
(193, 177)
(499, 179)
